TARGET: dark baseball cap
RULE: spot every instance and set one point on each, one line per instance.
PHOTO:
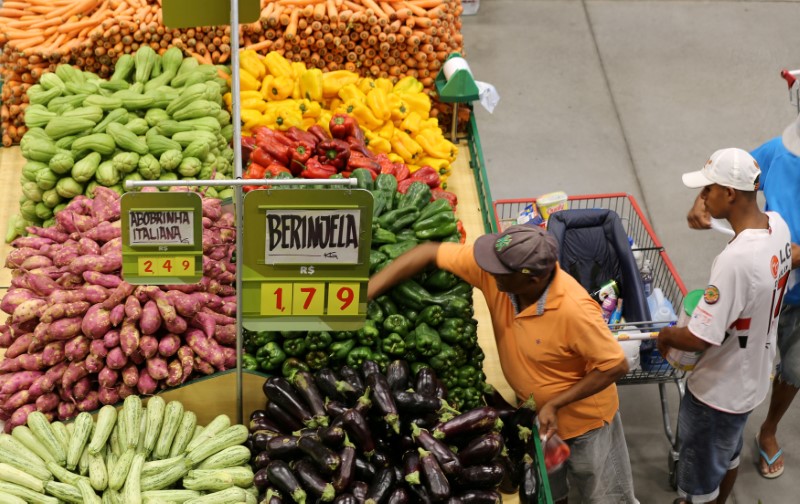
(519, 249)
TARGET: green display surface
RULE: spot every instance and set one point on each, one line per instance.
(306, 259)
(191, 13)
(162, 238)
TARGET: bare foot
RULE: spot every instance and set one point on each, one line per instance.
(768, 444)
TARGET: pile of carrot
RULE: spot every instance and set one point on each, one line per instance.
(372, 37)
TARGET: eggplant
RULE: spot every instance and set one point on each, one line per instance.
(529, 486)
(421, 493)
(426, 420)
(481, 449)
(261, 480)
(446, 458)
(272, 496)
(347, 467)
(332, 436)
(406, 443)
(441, 389)
(325, 458)
(382, 396)
(512, 474)
(435, 479)
(263, 423)
(259, 413)
(330, 385)
(426, 382)
(381, 460)
(313, 482)
(281, 476)
(363, 403)
(280, 391)
(369, 368)
(307, 389)
(283, 447)
(282, 418)
(473, 422)
(398, 374)
(261, 460)
(398, 473)
(261, 438)
(486, 476)
(496, 400)
(335, 408)
(399, 496)
(411, 467)
(356, 426)
(381, 487)
(364, 469)
(346, 498)
(454, 500)
(414, 402)
(523, 417)
(352, 378)
(359, 490)
(480, 497)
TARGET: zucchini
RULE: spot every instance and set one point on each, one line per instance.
(232, 436)
(218, 479)
(116, 477)
(60, 431)
(220, 423)
(112, 497)
(132, 410)
(132, 493)
(113, 441)
(231, 456)
(184, 434)
(83, 463)
(26, 494)
(173, 414)
(106, 418)
(83, 428)
(98, 472)
(154, 467)
(142, 430)
(63, 492)
(24, 435)
(6, 498)
(62, 474)
(87, 492)
(15, 454)
(151, 496)
(155, 416)
(166, 477)
(234, 495)
(19, 477)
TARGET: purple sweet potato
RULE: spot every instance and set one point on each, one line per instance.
(219, 318)
(112, 246)
(47, 382)
(18, 400)
(66, 410)
(31, 362)
(175, 373)
(226, 334)
(97, 322)
(140, 293)
(177, 325)
(94, 293)
(137, 357)
(98, 347)
(227, 290)
(229, 309)
(230, 357)
(94, 363)
(41, 284)
(165, 308)
(36, 261)
(81, 388)
(104, 264)
(151, 319)
(107, 377)
(148, 345)
(107, 281)
(88, 246)
(90, 402)
(203, 366)
(69, 281)
(108, 395)
(19, 417)
(116, 358)
(124, 391)
(130, 375)
(75, 223)
(105, 232)
(68, 252)
(80, 204)
(6, 336)
(10, 365)
(64, 329)
(117, 315)
(205, 348)
(105, 204)
(53, 353)
(147, 385)
(50, 233)
(75, 372)
(15, 297)
(118, 295)
(17, 256)
(157, 368)
(19, 346)
(21, 380)
(61, 310)
(186, 356)
(23, 328)
(205, 323)
(169, 345)
(34, 242)
(77, 348)
(64, 296)
(186, 305)
(47, 402)
(129, 337)
(111, 339)
(133, 309)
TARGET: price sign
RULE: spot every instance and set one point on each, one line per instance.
(162, 238)
(185, 14)
(306, 259)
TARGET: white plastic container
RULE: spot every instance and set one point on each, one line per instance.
(551, 203)
(681, 359)
(470, 7)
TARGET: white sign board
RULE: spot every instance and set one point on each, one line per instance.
(161, 227)
(312, 236)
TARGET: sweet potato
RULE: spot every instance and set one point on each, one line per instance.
(19, 346)
(80, 204)
(47, 402)
(50, 233)
(81, 388)
(165, 308)
(41, 284)
(87, 246)
(36, 261)
(141, 294)
(77, 348)
(107, 377)
(17, 256)
(66, 254)
(19, 417)
(212, 208)
(97, 322)
(31, 362)
(18, 400)
(64, 329)
(228, 309)
(98, 347)
(34, 242)
(6, 336)
(148, 346)
(47, 382)
(137, 357)
(112, 246)
(53, 353)
(204, 322)
(105, 204)
(111, 339)
(108, 395)
(61, 310)
(75, 372)
(157, 368)
(219, 318)
(129, 337)
(64, 296)
(124, 391)
(90, 402)
(227, 290)
(66, 410)
(230, 357)
(206, 348)
(177, 325)
(151, 318)
(94, 293)
(73, 222)
(186, 356)
(117, 315)
(94, 363)
(21, 380)
(203, 366)
(118, 295)
(169, 345)
(107, 281)
(130, 375)
(10, 365)
(185, 305)
(69, 281)
(133, 309)
(104, 232)
(116, 358)
(174, 373)
(147, 385)
(186, 289)
(15, 297)
(104, 264)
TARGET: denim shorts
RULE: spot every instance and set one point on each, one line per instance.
(598, 467)
(711, 441)
(788, 345)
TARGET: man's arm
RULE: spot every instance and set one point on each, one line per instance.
(698, 217)
(680, 338)
(592, 383)
(402, 268)
(795, 255)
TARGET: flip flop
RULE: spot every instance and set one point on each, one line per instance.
(769, 461)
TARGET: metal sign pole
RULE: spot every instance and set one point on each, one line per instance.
(136, 184)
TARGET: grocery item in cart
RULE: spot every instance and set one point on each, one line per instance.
(679, 359)
(550, 203)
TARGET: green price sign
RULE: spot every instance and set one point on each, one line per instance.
(306, 259)
(162, 238)
(190, 13)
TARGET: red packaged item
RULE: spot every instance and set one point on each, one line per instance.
(556, 452)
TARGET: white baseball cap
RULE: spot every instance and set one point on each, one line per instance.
(731, 167)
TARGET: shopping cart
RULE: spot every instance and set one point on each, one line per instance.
(654, 369)
(791, 77)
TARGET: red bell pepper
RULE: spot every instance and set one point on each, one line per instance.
(438, 193)
(403, 185)
(387, 166)
(461, 231)
(255, 171)
(319, 132)
(248, 146)
(314, 169)
(401, 172)
(263, 133)
(358, 160)
(428, 175)
(334, 152)
(260, 156)
(301, 153)
(359, 146)
(274, 169)
(297, 135)
(343, 126)
(279, 152)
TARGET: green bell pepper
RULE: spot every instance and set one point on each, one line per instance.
(376, 257)
(394, 344)
(387, 220)
(412, 295)
(395, 250)
(462, 289)
(397, 324)
(358, 355)
(318, 340)
(375, 312)
(382, 202)
(445, 230)
(407, 234)
(412, 315)
(427, 342)
(386, 182)
(417, 196)
(434, 221)
(387, 305)
(340, 349)
(454, 306)
(381, 359)
(369, 334)
(472, 398)
(441, 280)
(291, 366)
(435, 207)
(477, 357)
(295, 347)
(467, 376)
(383, 236)
(444, 358)
(432, 315)
(363, 178)
(451, 330)
(249, 362)
(317, 360)
(449, 378)
(453, 238)
(456, 396)
(270, 357)
(344, 335)
(292, 334)
(261, 338)
(461, 356)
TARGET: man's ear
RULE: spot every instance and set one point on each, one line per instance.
(731, 194)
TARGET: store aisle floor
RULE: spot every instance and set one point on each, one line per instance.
(624, 96)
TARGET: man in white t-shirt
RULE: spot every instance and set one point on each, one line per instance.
(734, 325)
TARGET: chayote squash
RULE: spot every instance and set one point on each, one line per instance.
(106, 174)
(149, 168)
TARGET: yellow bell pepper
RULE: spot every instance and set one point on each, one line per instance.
(387, 131)
(324, 121)
(376, 100)
(364, 115)
(337, 106)
(256, 122)
(296, 90)
(378, 144)
(247, 82)
(430, 123)
(411, 124)
(277, 65)
(277, 88)
(284, 117)
(227, 99)
(298, 69)
(251, 62)
(398, 107)
(254, 104)
(250, 115)
(366, 84)
(412, 168)
(251, 95)
(311, 85)
(385, 84)
(395, 158)
(351, 92)
(408, 85)
(308, 122)
(332, 82)
(418, 102)
(435, 145)
(406, 147)
(440, 165)
(309, 108)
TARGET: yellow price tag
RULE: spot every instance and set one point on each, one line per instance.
(343, 298)
(308, 299)
(276, 299)
(166, 266)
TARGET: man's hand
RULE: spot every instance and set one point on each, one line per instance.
(698, 217)
(662, 345)
(548, 421)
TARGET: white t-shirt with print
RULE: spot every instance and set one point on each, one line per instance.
(738, 316)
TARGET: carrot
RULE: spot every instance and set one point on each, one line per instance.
(291, 29)
(425, 4)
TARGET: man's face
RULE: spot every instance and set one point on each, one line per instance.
(515, 283)
(716, 199)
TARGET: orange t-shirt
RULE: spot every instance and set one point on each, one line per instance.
(545, 350)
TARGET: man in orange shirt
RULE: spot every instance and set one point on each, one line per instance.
(552, 342)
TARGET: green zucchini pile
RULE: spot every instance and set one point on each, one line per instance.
(134, 455)
(156, 118)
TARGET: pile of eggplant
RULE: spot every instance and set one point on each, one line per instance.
(361, 436)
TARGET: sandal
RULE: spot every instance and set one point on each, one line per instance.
(769, 461)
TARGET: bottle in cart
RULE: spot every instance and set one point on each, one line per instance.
(647, 277)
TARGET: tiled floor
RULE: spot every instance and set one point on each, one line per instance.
(624, 96)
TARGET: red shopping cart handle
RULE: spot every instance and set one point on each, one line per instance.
(790, 79)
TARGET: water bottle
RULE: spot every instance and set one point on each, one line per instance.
(638, 255)
(647, 277)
